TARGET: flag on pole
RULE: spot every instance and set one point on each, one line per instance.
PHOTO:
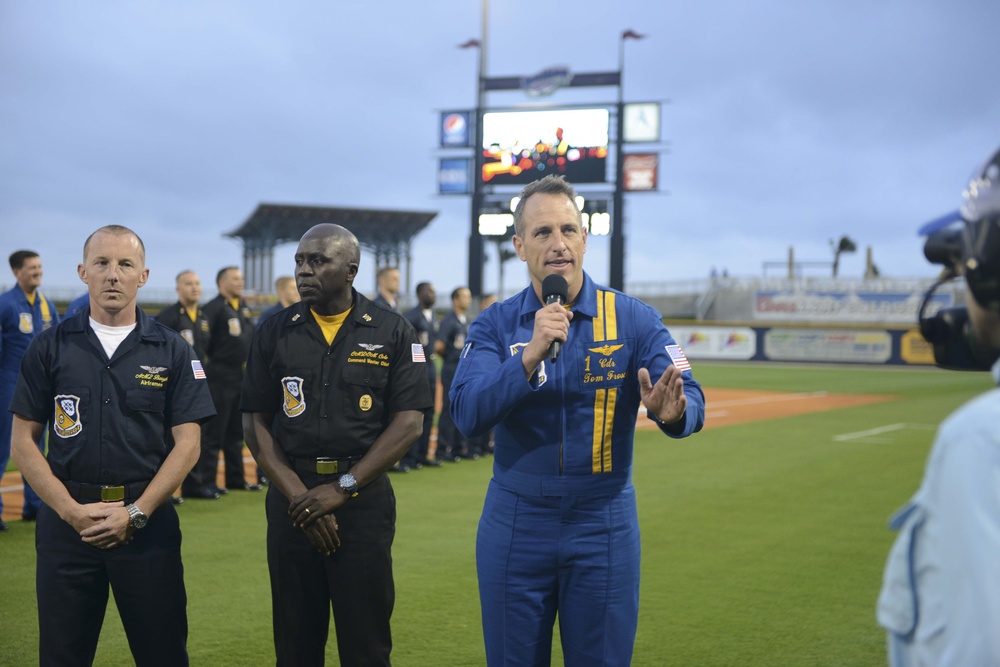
(469, 44)
(631, 34)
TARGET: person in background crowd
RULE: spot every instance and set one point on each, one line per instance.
(76, 305)
(230, 331)
(345, 380)
(287, 293)
(124, 396)
(421, 317)
(24, 313)
(388, 288)
(187, 318)
(452, 446)
(559, 532)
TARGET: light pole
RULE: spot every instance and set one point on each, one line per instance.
(476, 254)
(616, 278)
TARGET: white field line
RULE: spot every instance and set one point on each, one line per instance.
(888, 428)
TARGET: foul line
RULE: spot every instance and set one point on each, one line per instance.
(843, 437)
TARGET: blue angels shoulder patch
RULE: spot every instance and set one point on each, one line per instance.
(294, 403)
(67, 420)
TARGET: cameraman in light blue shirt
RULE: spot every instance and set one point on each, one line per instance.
(940, 599)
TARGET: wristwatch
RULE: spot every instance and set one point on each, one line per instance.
(135, 516)
(348, 484)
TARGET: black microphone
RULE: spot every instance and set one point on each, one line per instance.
(554, 289)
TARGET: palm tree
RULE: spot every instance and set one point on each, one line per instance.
(845, 245)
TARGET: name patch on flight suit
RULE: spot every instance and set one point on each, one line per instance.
(25, 323)
(295, 400)
(602, 367)
(67, 419)
(152, 376)
(369, 354)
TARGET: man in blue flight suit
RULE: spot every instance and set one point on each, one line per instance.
(334, 393)
(559, 531)
(24, 312)
(124, 396)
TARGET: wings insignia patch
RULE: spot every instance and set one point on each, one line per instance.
(607, 349)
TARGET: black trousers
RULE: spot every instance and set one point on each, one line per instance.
(356, 580)
(147, 578)
(223, 432)
(450, 439)
(418, 451)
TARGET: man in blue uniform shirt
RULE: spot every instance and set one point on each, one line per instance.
(124, 396)
(24, 312)
(334, 393)
(940, 599)
(559, 531)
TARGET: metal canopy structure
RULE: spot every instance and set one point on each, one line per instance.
(388, 235)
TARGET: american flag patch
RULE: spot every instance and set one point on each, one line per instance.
(417, 351)
(677, 356)
(199, 372)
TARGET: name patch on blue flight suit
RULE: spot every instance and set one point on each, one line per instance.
(604, 365)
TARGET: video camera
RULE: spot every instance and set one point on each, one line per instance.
(971, 251)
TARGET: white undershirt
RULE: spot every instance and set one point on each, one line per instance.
(110, 337)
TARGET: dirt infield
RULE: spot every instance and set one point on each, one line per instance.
(726, 407)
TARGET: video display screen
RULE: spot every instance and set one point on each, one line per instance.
(523, 146)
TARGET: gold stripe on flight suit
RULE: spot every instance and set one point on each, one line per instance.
(605, 328)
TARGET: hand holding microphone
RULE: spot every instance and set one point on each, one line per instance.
(554, 290)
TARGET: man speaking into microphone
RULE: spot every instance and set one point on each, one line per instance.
(560, 370)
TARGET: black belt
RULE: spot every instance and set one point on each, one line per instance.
(106, 493)
(324, 466)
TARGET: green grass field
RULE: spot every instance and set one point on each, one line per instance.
(763, 543)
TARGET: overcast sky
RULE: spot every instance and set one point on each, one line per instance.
(785, 123)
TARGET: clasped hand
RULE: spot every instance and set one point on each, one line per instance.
(313, 511)
(103, 525)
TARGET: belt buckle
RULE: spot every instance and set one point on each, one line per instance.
(111, 494)
(327, 467)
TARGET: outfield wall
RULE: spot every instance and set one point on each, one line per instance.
(821, 343)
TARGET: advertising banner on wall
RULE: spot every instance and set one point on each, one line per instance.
(828, 345)
(456, 129)
(711, 342)
(851, 304)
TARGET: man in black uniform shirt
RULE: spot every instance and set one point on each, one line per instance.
(230, 331)
(422, 319)
(452, 445)
(187, 318)
(125, 396)
(348, 384)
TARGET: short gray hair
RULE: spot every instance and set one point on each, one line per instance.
(550, 185)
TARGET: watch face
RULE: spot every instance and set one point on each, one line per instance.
(348, 483)
(139, 521)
